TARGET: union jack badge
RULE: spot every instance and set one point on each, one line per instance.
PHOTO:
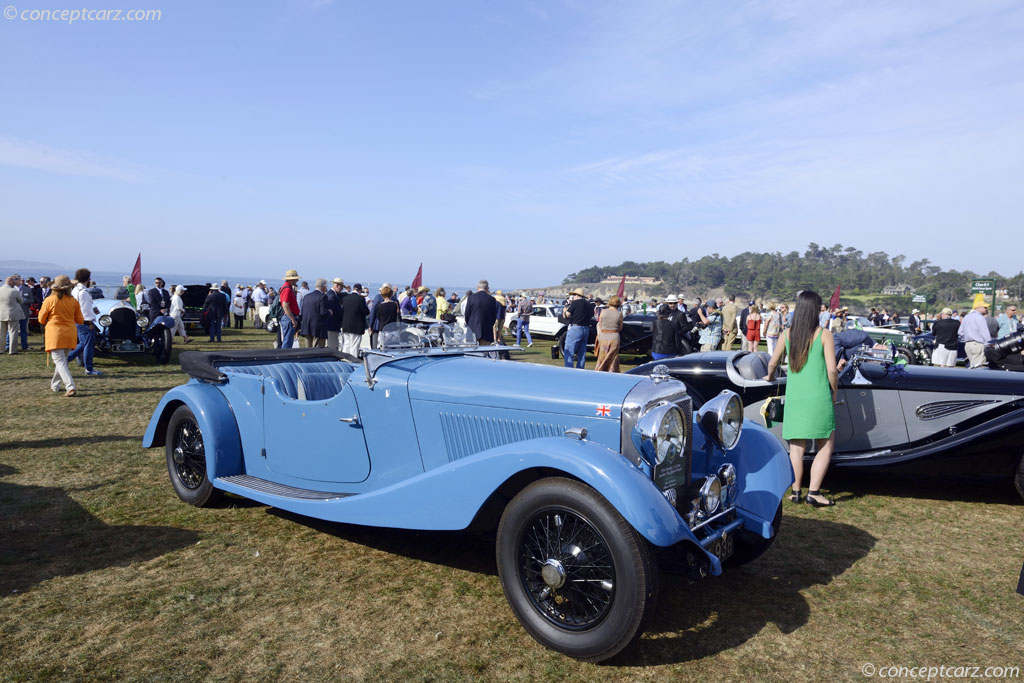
(604, 410)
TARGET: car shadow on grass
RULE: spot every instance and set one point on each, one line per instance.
(68, 442)
(953, 488)
(473, 552)
(696, 620)
(44, 533)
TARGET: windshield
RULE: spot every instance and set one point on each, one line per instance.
(399, 336)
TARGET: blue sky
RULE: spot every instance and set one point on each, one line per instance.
(517, 141)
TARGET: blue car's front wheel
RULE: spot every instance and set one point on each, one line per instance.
(186, 459)
(578, 576)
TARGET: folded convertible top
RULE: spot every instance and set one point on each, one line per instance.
(203, 365)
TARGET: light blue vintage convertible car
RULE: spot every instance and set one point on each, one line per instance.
(589, 478)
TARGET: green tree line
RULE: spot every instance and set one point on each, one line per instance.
(778, 275)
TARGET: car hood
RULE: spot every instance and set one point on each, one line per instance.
(985, 381)
(105, 306)
(520, 386)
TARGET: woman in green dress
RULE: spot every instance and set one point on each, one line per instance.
(811, 382)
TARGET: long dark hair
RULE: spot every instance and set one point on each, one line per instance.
(805, 324)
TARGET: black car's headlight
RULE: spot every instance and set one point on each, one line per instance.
(105, 320)
(721, 419)
(142, 321)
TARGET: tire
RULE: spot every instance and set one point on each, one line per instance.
(512, 327)
(559, 345)
(1019, 479)
(588, 604)
(906, 355)
(186, 460)
(750, 546)
(163, 346)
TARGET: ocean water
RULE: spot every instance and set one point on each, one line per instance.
(109, 282)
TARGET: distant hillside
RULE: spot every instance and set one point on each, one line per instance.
(29, 267)
(780, 276)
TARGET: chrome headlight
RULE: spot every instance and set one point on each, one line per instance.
(721, 418)
(105, 320)
(142, 321)
(660, 434)
(710, 495)
(727, 477)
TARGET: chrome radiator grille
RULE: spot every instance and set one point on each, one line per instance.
(122, 324)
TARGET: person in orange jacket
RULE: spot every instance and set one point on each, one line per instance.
(59, 315)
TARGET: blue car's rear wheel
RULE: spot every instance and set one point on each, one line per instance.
(577, 575)
(186, 460)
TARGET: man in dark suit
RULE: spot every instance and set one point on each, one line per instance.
(214, 308)
(159, 299)
(335, 293)
(481, 312)
(315, 315)
(353, 321)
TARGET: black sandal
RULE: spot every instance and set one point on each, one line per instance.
(813, 503)
(795, 496)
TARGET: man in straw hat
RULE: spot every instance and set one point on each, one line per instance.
(974, 332)
(579, 314)
(290, 306)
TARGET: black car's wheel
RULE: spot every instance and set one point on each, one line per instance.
(186, 460)
(750, 546)
(162, 347)
(1019, 479)
(579, 578)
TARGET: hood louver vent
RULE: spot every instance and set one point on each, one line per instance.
(465, 435)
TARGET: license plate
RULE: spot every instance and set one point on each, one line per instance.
(723, 547)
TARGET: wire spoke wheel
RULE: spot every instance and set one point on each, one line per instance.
(186, 459)
(566, 569)
(189, 454)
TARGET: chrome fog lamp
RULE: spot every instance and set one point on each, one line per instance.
(727, 477)
(660, 433)
(142, 321)
(710, 495)
(105, 320)
(721, 418)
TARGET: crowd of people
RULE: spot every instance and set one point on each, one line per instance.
(331, 314)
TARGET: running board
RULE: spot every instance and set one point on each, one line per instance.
(273, 488)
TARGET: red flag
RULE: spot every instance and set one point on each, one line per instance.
(833, 303)
(137, 271)
(418, 280)
(622, 288)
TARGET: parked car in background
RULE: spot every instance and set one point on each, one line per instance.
(123, 330)
(193, 299)
(546, 321)
(589, 479)
(924, 420)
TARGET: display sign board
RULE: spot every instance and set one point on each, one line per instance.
(986, 287)
(919, 299)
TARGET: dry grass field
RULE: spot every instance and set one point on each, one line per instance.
(105, 574)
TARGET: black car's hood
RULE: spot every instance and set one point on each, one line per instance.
(960, 380)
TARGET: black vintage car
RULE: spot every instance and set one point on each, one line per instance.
(918, 419)
(193, 299)
(123, 330)
(635, 337)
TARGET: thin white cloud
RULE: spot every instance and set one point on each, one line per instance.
(26, 154)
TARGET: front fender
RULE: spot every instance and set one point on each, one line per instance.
(763, 472)
(160, 323)
(221, 440)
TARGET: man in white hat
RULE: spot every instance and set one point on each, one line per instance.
(290, 307)
(579, 313)
(259, 298)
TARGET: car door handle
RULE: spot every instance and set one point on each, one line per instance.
(841, 402)
(353, 420)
